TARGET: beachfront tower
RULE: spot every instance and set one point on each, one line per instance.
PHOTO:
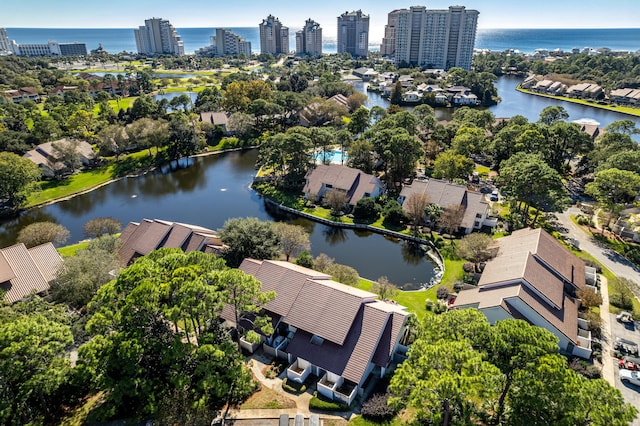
(274, 38)
(309, 39)
(435, 38)
(353, 33)
(158, 37)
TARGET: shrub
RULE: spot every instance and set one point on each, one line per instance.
(393, 213)
(377, 409)
(42, 232)
(366, 208)
(587, 370)
(101, 226)
(458, 286)
(619, 301)
(293, 387)
(468, 267)
(442, 293)
(321, 403)
(594, 265)
(305, 259)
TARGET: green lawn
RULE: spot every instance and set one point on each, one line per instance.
(123, 103)
(615, 108)
(68, 251)
(55, 189)
(415, 301)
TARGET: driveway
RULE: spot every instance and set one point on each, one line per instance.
(617, 264)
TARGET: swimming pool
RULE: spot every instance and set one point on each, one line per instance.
(331, 157)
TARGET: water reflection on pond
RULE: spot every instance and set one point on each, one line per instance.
(212, 190)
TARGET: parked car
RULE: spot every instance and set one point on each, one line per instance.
(630, 363)
(624, 317)
(494, 196)
(628, 376)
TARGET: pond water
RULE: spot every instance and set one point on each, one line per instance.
(170, 95)
(516, 103)
(209, 192)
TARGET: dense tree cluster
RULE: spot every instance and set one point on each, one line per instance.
(461, 370)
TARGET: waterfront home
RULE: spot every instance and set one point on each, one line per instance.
(446, 194)
(48, 158)
(141, 238)
(24, 271)
(534, 278)
(338, 333)
(364, 73)
(355, 183)
(625, 96)
(585, 90)
(219, 119)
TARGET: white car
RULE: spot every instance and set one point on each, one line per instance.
(628, 376)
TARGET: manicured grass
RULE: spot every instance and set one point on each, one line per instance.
(68, 251)
(415, 301)
(123, 103)
(53, 190)
(615, 108)
(187, 88)
(267, 398)
(482, 170)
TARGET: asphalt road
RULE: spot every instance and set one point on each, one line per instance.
(617, 264)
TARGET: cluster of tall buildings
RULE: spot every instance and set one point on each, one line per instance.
(413, 37)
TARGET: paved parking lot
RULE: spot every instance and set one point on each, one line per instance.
(631, 393)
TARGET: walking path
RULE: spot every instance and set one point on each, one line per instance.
(258, 363)
(606, 338)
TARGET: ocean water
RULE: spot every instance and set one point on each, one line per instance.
(116, 40)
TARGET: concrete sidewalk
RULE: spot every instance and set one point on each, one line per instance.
(606, 338)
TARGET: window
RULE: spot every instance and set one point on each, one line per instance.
(316, 340)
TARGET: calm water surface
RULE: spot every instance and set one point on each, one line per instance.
(209, 192)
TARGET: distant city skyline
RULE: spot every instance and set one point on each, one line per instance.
(249, 13)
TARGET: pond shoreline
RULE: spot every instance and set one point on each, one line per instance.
(432, 252)
(130, 175)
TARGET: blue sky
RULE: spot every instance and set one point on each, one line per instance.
(243, 13)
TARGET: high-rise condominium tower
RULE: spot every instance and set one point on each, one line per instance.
(274, 38)
(158, 36)
(435, 38)
(388, 46)
(353, 33)
(309, 39)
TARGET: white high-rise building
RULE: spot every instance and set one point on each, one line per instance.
(353, 33)
(5, 44)
(309, 39)
(435, 38)
(158, 36)
(226, 42)
(274, 38)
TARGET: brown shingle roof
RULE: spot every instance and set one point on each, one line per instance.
(447, 194)
(29, 276)
(139, 239)
(353, 181)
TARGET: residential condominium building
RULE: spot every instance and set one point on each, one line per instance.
(388, 46)
(309, 39)
(274, 38)
(158, 37)
(5, 45)
(51, 48)
(435, 38)
(226, 43)
(353, 33)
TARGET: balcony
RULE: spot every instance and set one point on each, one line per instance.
(346, 392)
(583, 347)
(249, 346)
(328, 384)
(299, 370)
